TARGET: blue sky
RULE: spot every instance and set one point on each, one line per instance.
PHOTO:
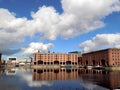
(22, 8)
(58, 25)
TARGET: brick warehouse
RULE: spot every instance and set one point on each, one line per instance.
(106, 57)
(55, 58)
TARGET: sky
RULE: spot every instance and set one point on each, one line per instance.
(27, 26)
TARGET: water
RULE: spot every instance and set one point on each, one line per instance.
(58, 79)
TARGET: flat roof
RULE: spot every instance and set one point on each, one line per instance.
(102, 50)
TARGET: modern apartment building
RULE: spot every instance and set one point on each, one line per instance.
(56, 58)
(12, 60)
(106, 57)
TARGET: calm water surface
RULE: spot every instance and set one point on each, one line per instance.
(58, 79)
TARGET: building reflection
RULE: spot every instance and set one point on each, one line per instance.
(55, 74)
(107, 79)
(88, 78)
(11, 71)
(102, 78)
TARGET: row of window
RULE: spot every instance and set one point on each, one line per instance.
(58, 56)
(51, 70)
(57, 63)
(55, 57)
(116, 63)
(58, 60)
(115, 50)
(116, 53)
(116, 58)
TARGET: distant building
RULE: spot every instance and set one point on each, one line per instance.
(75, 52)
(12, 60)
(106, 57)
(79, 56)
(56, 58)
(22, 61)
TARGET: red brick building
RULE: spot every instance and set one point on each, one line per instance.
(56, 58)
(106, 57)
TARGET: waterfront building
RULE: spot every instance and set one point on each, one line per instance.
(22, 61)
(106, 57)
(56, 58)
(12, 60)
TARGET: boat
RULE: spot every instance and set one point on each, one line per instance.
(98, 67)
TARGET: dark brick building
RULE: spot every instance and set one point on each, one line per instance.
(106, 57)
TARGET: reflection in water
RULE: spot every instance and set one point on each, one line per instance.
(59, 79)
(55, 74)
(4, 84)
(89, 78)
(107, 79)
(62, 79)
(12, 71)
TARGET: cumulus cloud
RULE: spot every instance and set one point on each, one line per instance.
(10, 33)
(81, 16)
(35, 47)
(78, 17)
(101, 41)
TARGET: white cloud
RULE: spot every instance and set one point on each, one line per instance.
(45, 21)
(101, 41)
(10, 33)
(35, 47)
(85, 15)
(32, 83)
(78, 17)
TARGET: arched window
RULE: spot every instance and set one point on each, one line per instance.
(56, 62)
(103, 62)
(40, 62)
(93, 62)
(68, 62)
(86, 62)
